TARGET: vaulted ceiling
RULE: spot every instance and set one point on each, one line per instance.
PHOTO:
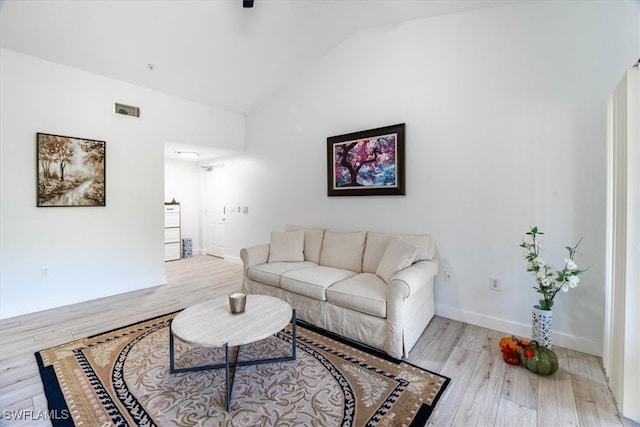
(214, 52)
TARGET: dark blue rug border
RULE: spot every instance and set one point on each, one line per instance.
(55, 399)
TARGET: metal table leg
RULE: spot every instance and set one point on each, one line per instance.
(227, 365)
(228, 387)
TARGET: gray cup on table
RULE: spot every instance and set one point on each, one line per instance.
(237, 302)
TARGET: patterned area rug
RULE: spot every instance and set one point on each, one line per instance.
(122, 378)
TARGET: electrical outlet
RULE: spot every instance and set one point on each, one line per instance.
(45, 271)
(448, 276)
(494, 284)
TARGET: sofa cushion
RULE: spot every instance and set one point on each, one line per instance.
(365, 292)
(312, 241)
(313, 281)
(374, 249)
(270, 273)
(399, 255)
(424, 242)
(377, 243)
(286, 246)
(343, 250)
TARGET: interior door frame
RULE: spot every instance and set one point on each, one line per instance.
(621, 341)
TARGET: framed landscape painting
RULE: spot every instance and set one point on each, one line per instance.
(369, 162)
(71, 171)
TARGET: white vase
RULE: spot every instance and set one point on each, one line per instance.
(541, 323)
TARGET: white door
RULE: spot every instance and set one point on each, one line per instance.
(214, 210)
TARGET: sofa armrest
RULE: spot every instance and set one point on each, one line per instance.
(404, 285)
(254, 255)
(408, 281)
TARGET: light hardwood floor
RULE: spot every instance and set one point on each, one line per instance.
(483, 390)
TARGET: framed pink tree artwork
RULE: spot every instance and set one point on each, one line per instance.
(369, 162)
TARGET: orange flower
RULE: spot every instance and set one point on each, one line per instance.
(510, 346)
(512, 343)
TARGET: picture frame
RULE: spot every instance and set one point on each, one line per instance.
(70, 171)
(367, 163)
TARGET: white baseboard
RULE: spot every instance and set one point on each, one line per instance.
(519, 329)
(233, 259)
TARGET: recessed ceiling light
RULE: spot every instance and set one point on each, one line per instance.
(188, 154)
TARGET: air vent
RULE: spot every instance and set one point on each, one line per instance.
(126, 110)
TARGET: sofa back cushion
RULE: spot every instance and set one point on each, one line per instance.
(312, 241)
(286, 246)
(424, 242)
(343, 250)
(399, 255)
(377, 244)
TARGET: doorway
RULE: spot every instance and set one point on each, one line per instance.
(214, 210)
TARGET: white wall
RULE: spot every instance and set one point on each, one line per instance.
(97, 251)
(505, 120)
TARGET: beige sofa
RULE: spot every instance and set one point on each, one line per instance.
(374, 288)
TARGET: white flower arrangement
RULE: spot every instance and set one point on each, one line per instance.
(550, 282)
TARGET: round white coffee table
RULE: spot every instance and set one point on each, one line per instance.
(211, 324)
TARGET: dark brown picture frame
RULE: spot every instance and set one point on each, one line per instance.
(367, 163)
(70, 171)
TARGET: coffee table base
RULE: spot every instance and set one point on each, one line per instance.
(228, 365)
